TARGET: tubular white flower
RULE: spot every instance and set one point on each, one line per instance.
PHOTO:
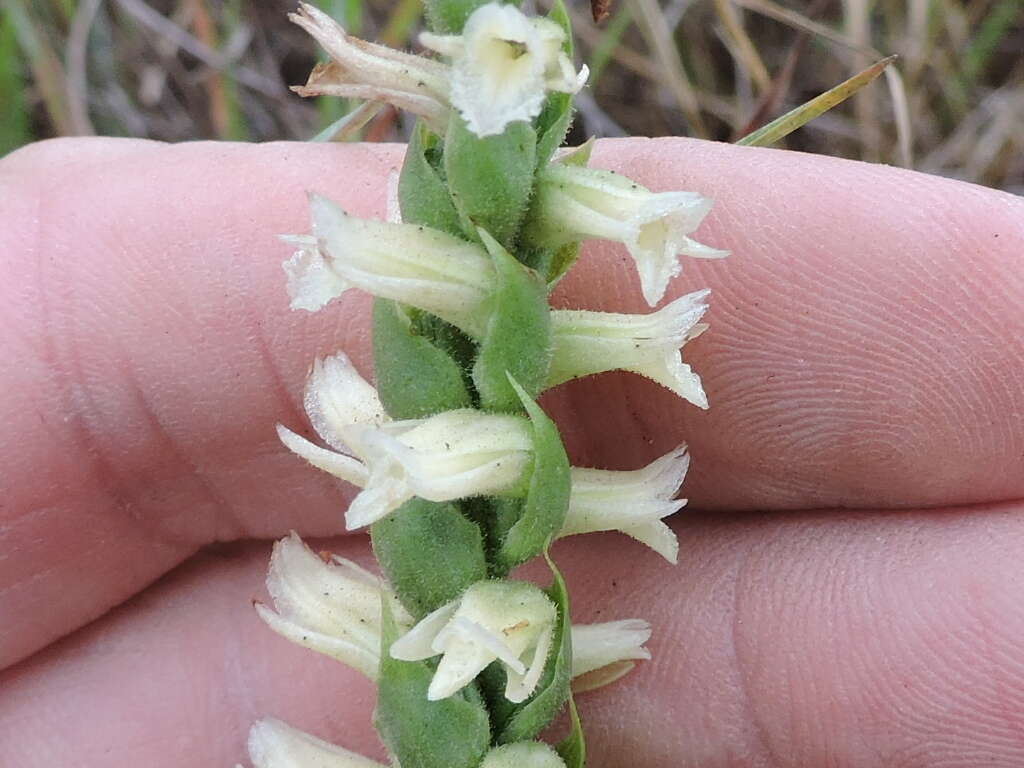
(508, 621)
(586, 343)
(602, 653)
(631, 502)
(412, 264)
(330, 607)
(575, 203)
(523, 754)
(503, 63)
(362, 70)
(448, 456)
(274, 744)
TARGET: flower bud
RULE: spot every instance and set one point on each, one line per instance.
(523, 754)
(507, 621)
(586, 343)
(631, 502)
(331, 607)
(602, 653)
(362, 70)
(273, 744)
(575, 203)
(503, 63)
(416, 265)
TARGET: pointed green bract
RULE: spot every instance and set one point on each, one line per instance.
(491, 179)
(422, 194)
(450, 733)
(573, 749)
(518, 337)
(415, 378)
(430, 553)
(547, 498)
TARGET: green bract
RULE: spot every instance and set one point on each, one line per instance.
(517, 342)
(415, 377)
(430, 553)
(491, 179)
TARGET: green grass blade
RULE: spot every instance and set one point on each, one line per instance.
(796, 118)
(14, 127)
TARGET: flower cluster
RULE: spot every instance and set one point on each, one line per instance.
(461, 476)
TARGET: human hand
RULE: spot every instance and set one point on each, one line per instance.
(850, 570)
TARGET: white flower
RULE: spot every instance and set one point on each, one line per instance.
(523, 754)
(632, 502)
(331, 607)
(273, 744)
(592, 342)
(602, 653)
(337, 400)
(503, 63)
(508, 621)
(412, 264)
(362, 70)
(575, 203)
(448, 456)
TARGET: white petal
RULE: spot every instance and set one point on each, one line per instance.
(337, 464)
(519, 687)
(417, 643)
(348, 653)
(656, 535)
(337, 397)
(598, 645)
(311, 282)
(459, 666)
(274, 744)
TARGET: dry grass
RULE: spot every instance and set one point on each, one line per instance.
(185, 69)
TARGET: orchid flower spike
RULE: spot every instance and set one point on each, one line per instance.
(274, 744)
(507, 621)
(415, 265)
(602, 653)
(523, 754)
(362, 70)
(586, 343)
(333, 607)
(631, 502)
(575, 203)
(503, 63)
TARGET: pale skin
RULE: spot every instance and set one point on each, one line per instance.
(852, 559)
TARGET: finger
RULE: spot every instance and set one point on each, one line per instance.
(145, 307)
(801, 639)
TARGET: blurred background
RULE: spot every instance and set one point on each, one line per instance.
(177, 70)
